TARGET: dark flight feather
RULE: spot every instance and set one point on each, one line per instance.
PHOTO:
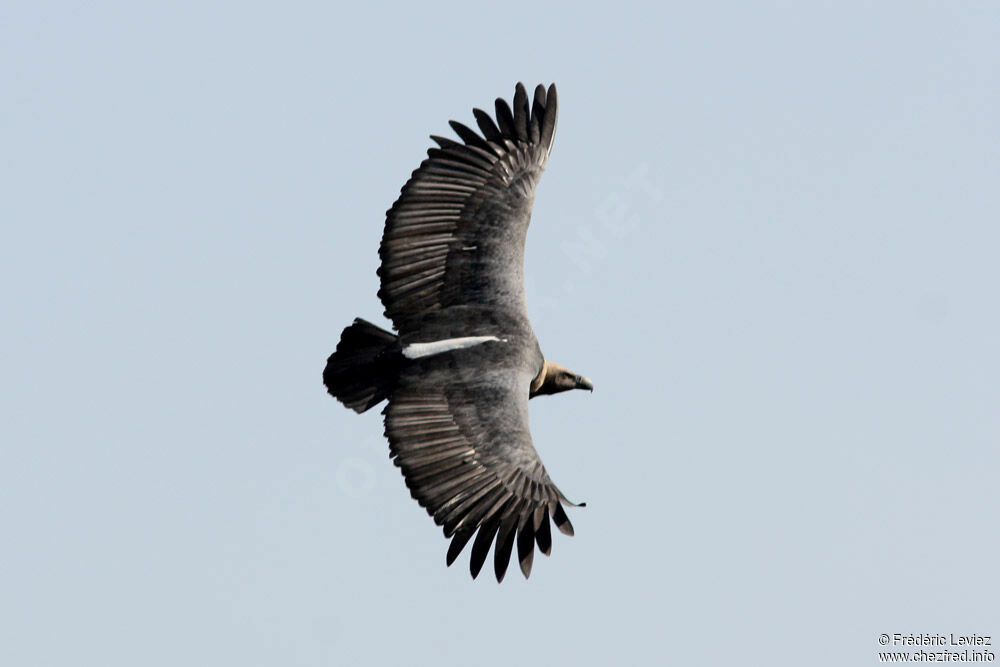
(521, 113)
(458, 543)
(488, 127)
(505, 119)
(543, 533)
(504, 544)
(481, 547)
(525, 545)
(468, 136)
(562, 521)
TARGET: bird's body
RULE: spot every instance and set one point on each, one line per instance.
(464, 361)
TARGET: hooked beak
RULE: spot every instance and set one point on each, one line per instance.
(584, 383)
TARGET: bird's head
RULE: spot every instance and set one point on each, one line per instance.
(554, 378)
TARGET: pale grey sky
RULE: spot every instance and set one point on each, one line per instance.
(768, 232)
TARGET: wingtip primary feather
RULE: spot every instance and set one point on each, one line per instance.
(481, 547)
(526, 546)
(458, 543)
(543, 532)
(504, 546)
(468, 135)
(522, 112)
(443, 142)
(548, 128)
(537, 111)
(562, 521)
(505, 118)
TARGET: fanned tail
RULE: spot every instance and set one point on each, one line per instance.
(362, 372)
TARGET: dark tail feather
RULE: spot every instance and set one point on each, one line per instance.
(363, 371)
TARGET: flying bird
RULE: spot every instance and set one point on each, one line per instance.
(464, 361)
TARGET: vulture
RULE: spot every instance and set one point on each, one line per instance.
(463, 361)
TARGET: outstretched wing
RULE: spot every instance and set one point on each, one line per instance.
(456, 233)
(460, 435)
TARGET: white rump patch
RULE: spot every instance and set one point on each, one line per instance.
(417, 350)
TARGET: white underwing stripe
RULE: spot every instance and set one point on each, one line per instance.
(417, 350)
